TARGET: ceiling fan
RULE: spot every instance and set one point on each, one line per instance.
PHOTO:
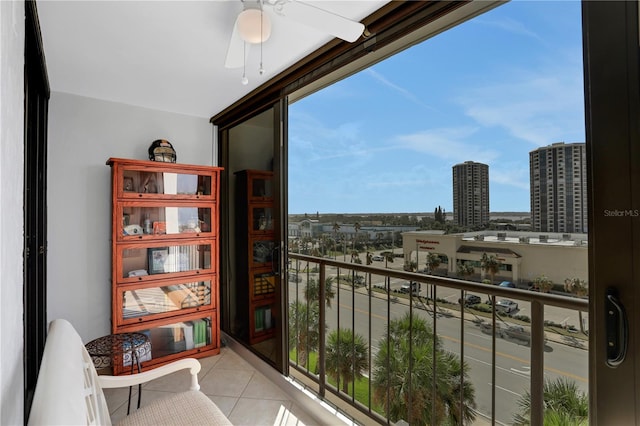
(253, 26)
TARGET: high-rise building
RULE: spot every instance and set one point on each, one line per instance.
(471, 194)
(558, 179)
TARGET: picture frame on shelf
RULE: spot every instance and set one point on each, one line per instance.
(157, 257)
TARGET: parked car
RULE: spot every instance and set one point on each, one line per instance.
(508, 284)
(470, 300)
(506, 305)
(412, 286)
(377, 257)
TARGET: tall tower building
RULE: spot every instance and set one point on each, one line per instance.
(558, 179)
(471, 194)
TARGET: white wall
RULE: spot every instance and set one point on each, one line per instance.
(11, 218)
(83, 134)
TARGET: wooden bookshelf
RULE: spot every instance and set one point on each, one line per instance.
(165, 258)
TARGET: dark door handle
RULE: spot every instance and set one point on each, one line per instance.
(617, 329)
(275, 260)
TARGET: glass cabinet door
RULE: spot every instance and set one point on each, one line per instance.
(261, 251)
(192, 335)
(262, 284)
(261, 218)
(146, 183)
(260, 186)
(160, 300)
(263, 322)
(188, 221)
(138, 264)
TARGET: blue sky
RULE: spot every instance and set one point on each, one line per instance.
(490, 90)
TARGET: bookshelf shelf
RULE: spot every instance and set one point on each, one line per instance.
(165, 258)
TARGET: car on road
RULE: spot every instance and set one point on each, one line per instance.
(506, 305)
(377, 258)
(470, 300)
(412, 286)
(508, 284)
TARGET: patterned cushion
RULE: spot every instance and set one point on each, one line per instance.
(186, 408)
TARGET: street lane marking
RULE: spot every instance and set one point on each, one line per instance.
(497, 366)
(506, 390)
(527, 371)
(482, 348)
(518, 359)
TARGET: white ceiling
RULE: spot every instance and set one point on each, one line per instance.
(169, 55)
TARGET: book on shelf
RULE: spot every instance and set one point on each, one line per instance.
(188, 335)
(199, 333)
(267, 318)
(258, 317)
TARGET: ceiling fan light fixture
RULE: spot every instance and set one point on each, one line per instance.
(254, 26)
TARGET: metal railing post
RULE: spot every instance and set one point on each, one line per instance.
(321, 333)
(537, 363)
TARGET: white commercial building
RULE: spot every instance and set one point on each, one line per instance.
(524, 255)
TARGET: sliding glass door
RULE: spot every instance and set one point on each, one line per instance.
(253, 231)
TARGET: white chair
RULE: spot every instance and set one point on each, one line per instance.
(69, 390)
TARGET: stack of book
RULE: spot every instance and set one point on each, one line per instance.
(174, 338)
(262, 318)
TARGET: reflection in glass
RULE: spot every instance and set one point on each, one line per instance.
(137, 262)
(165, 220)
(166, 183)
(157, 300)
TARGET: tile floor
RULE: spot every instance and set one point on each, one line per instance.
(243, 394)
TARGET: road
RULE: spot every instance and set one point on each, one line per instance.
(512, 356)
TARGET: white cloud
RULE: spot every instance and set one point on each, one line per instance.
(404, 92)
(539, 108)
(448, 144)
(509, 25)
(510, 175)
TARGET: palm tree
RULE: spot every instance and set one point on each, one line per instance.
(564, 404)
(580, 288)
(304, 329)
(336, 228)
(407, 351)
(388, 258)
(347, 356)
(433, 261)
(357, 227)
(490, 264)
(324, 243)
(543, 283)
(304, 319)
(465, 269)
(312, 291)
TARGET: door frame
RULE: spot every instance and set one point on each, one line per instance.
(36, 101)
(612, 105)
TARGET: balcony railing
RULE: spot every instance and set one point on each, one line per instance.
(433, 352)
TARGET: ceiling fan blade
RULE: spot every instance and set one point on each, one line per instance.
(323, 20)
(238, 50)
